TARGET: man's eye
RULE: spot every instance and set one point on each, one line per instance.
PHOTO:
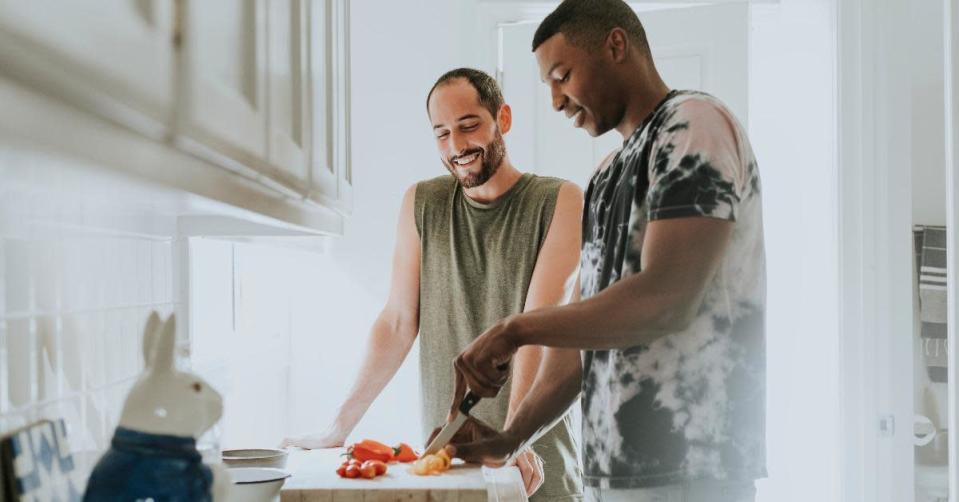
(469, 127)
(565, 78)
(442, 135)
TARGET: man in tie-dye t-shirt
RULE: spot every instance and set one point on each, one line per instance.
(672, 317)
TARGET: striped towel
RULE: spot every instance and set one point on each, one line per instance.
(931, 249)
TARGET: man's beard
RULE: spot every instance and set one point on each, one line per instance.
(491, 157)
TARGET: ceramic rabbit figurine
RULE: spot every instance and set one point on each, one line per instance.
(153, 454)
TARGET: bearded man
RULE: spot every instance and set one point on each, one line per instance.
(482, 243)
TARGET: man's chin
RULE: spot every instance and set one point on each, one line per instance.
(470, 181)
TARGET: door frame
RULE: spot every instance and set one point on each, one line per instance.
(951, 62)
(875, 253)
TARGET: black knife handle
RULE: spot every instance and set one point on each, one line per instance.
(470, 399)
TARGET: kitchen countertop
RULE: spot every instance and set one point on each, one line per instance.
(314, 478)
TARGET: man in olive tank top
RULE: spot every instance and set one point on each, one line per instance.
(474, 246)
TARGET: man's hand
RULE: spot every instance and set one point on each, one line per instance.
(531, 468)
(483, 366)
(475, 432)
(479, 443)
(328, 439)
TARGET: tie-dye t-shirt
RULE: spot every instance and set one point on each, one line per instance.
(690, 405)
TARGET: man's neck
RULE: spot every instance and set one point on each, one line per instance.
(646, 93)
(504, 179)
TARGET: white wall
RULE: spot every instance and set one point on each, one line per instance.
(925, 35)
(792, 126)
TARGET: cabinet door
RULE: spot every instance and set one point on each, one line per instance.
(323, 173)
(341, 99)
(289, 124)
(112, 56)
(222, 75)
(331, 171)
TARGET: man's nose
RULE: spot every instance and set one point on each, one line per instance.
(559, 99)
(457, 143)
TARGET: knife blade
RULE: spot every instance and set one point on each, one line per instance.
(450, 429)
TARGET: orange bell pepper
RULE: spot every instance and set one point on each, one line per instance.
(370, 450)
(404, 453)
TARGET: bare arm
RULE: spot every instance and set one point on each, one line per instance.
(679, 259)
(552, 284)
(391, 336)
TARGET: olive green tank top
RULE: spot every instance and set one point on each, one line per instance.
(476, 264)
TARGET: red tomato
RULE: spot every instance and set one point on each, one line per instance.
(378, 465)
(352, 471)
(368, 471)
(341, 470)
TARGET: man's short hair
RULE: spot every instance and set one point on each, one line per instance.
(587, 23)
(490, 95)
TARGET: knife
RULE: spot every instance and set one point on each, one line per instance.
(450, 429)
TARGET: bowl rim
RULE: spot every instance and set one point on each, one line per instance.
(267, 453)
(278, 475)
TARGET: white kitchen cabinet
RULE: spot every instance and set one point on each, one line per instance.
(222, 76)
(223, 93)
(112, 56)
(288, 133)
(329, 72)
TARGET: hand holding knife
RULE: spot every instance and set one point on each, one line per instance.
(465, 406)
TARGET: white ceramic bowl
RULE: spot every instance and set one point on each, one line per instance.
(256, 484)
(260, 457)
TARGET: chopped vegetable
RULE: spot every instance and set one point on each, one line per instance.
(436, 463)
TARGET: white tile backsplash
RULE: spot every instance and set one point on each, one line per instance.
(78, 276)
(279, 331)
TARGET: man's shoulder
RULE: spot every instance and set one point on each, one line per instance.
(697, 106)
(435, 186)
(550, 184)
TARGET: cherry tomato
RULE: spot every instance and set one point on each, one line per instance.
(341, 470)
(378, 465)
(352, 471)
(368, 471)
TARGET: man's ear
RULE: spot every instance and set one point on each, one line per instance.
(617, 45)
(504, 119)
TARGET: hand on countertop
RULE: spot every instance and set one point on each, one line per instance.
(328, 439)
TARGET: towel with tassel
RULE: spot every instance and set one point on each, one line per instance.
(931, 248)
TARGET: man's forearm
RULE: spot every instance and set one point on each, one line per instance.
(634, 311)
(388, 345)
(556, 387)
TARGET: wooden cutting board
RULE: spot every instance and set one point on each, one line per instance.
(314, 479)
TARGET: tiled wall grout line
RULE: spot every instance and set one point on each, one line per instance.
(14, 316)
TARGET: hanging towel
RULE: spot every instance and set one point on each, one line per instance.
(931, 245)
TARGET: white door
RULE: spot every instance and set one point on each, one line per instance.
(703, 48)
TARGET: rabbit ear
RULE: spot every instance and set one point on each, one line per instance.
(149, 337)
(164, 345)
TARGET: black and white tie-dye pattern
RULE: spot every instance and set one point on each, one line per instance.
(691, 405)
